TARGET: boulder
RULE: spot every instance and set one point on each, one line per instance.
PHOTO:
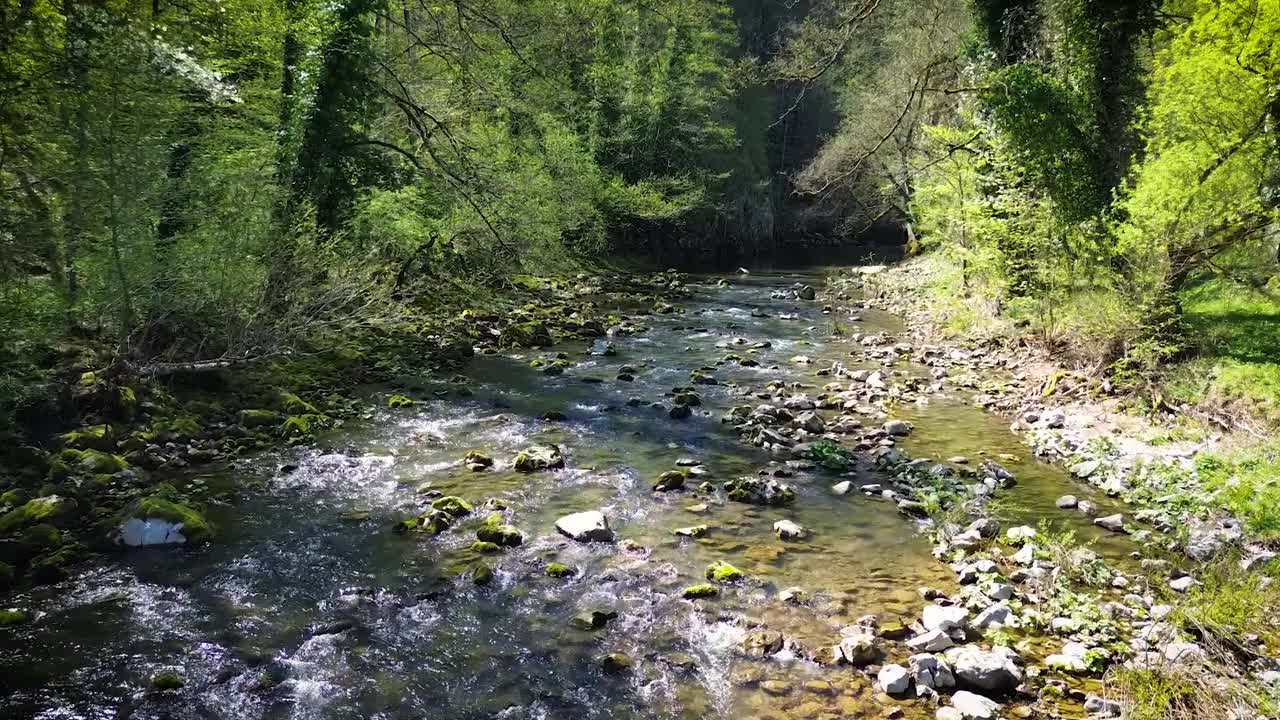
(931, 641)
(1114, 523)
(759, 491)
(722, 572)
(893, 679)
(974, 707)
(453, 505)
(539, 457)
(157, 521)
(761, 644)
(788, 530)
(806, 292)
(698, 592)
(476, 461)
(931, 671)
(589, 526)
(669, 480)
(1067, 502)
(861, 649)
(946, 619)
(593, 619)
(898, 428)
(495, 531)
(983, 669)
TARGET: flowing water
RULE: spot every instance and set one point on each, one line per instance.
(308, 606)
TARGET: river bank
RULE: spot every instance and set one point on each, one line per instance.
(722, 506)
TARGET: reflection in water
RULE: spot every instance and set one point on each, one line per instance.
(309, 607)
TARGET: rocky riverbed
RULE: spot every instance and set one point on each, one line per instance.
(754, 497)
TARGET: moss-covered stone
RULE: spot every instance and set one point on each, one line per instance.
(526, 334)
(52, 509)
(560, 570)
(495, 531)
(40, 538)
(476, 461)
(399, 401)
(12, 617)
(91, 437)
(669, 480)
(302, 428)
(126, 403)
(615, 663)
(698, 592)
(722, 572)
(453, 505)
(259, 418)
(485, 548)
(539, 457)
(166, 681)
(96, 462)
(431, 522)
(294, 405)
(194, 527)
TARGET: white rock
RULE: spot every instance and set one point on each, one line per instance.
(931, 641)
(788, 530)
(1020, 534)
(589, 526)
(1114, 523)
(842, 488)
(994, 616)
(930, 671)
(937, 617)
(893, 679)
(974, 707)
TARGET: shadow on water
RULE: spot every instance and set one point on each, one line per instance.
(308, 606)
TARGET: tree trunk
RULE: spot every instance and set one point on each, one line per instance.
(77, 186)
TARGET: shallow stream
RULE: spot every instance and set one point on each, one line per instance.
(308, 606)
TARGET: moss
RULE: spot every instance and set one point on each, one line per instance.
(184, 426)
(453, 505)
(696, 592)
(91, 437)
(91, 461)
(432, 522)
(722, 572)
(560, 570)
(526, 334)
(495, 531)
(12, 617)
(485, 548)
(258, 418)
(301, 428)
(166, 681)
(194, 526)
(126, 404)
(399, 401)
(53, 509)
(39, 538)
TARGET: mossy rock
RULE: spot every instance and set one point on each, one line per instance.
(166, 681)
(301, 428)
(479, 573)
(193, 526)
(698, 592)
(186, 426)
(722, 572)
(91, 437)
(560, 570)
(126, 403)
(453, 505)
(475, 461)
(669, 480)
(8, 576)
(40, 538)
(499, 533)
(615, 663)
(485, 548)
(52, 509)
(96, 462)
(526, 335)
(399, 401)
(9, 618)
(259, 418)
(431, 522)
(52, 567)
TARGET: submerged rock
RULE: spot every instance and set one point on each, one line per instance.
(615, 663)
(697, 592)
(722, 572)
(759, 491)
(431, 522)
(1114, 523)
(495, 531)
(453, 505)
(560, 570)
(788, 530)
(669, 480)
(589, 526)
(761, 644)
(476, 461)
(593, 619)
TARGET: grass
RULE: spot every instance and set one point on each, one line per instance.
(1247, 482)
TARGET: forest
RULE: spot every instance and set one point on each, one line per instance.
(231, 229)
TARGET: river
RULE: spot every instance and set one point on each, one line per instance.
(309, 606)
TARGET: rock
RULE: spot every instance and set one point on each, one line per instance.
(697, 592)
(1053, 419)
(539, 457)
(861, 649)
(495, 531)
(985, 670)
(61, 512)
(669, 480)
(453, 505)
(680, 412)
(983, 527)
(930, 671)
(994, 616)
(1114, 523)
(267, 418)
(793, 596)
(722, 572)
(1184, 652)
(1020, 534)
(893, 679)
(1067, 502)
(1101, 707)
(484, 547)
(937, 617)
(1026, 555)
(593, 619)
(615, 663)
(166, 681)
(947, 713)
(475, 461)
(693, 531)
(931, 641)
(759, 491)
(811, 422)
(560, 570)
(431, 522)
(897, 428)
(1182, 584)
(842, 488)
(788, 530)
(806, 293)
(1086, 469)
(761, 644)
(156, 521)
(589, 526)
(974, 707)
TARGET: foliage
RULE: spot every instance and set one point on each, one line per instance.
(831, 456)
